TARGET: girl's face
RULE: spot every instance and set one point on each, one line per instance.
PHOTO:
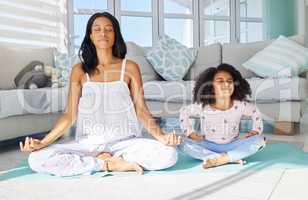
(102, 33)
(223, 85)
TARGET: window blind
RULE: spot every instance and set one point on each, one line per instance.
(35, 23)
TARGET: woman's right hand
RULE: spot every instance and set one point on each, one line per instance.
(31, 144)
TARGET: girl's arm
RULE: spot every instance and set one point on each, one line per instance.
(251, 110)
(66, 119)
(193, 110)
(142, 111)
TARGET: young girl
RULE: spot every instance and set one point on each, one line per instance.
(220, 102)
(106, 101)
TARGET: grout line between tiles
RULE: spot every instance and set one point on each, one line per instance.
(276, 185)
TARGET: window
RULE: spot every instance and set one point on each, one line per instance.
(82, 10)
(177, 18)
(251, 20)
(136, 21)
(216, 21)
(192, 22)
(33, 23)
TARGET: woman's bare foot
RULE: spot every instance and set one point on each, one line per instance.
(104, 155)
(118, 164)
(223, 159)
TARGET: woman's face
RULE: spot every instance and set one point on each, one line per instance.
(102, 33)
(223, 85)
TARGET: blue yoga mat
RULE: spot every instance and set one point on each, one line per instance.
(279, 155)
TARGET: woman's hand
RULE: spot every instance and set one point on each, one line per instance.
(31, 144)
(170, 139)
(251, 133)
(197, 137)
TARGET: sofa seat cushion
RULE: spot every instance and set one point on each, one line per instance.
(263, 90)
(278, 89)
(36, 101)
(170, 91)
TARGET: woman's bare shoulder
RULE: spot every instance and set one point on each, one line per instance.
(132, 66)
(77, 72)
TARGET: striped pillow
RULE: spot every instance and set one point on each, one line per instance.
(282, 58)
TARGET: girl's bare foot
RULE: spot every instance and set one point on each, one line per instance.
(223, 159)
(118, 164)
(240, 162)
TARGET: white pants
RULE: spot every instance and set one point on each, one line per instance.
(79, 157)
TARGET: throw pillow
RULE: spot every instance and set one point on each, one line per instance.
(137, 54)
(282, 58)
(64, 62)
(170, 58)
(32, 76)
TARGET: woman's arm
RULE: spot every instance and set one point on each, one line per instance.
(66, 119)
(142, 111)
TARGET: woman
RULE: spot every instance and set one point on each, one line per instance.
(105, 98)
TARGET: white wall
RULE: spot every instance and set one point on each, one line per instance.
(306, 23)
(301, 17)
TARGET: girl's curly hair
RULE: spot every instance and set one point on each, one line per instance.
(204, 90)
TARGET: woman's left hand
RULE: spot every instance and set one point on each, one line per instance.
(251, 133)
(170, 139)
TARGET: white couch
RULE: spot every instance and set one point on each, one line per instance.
(278, 99)
(24, 112)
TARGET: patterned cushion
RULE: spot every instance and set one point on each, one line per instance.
(64, 62)
(170, 58)
(282, 58)
(137, 54)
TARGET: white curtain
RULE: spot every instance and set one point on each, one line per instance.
(34, 23)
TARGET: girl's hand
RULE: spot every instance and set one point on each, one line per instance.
(170, 139)
(31, 144)
(197, 137)
(251, 133)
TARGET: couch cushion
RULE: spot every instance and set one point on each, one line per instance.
(237, 54)
(208, 56)
(12, 60)
(282, 58)
(137, 54)
(170, 58)
(263, 90)
(170, 91)
(278, 89)
(36, 101)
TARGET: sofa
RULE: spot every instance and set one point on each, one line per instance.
(26, 111)
(280, 100)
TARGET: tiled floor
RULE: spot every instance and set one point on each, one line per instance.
(248, 185)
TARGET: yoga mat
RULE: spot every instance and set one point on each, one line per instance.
(273, 156)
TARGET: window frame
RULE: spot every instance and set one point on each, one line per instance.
(154, 14)
(158, 17)
(193, 16)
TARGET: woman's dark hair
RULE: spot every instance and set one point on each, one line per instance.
(87, 51)
(204, 90)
